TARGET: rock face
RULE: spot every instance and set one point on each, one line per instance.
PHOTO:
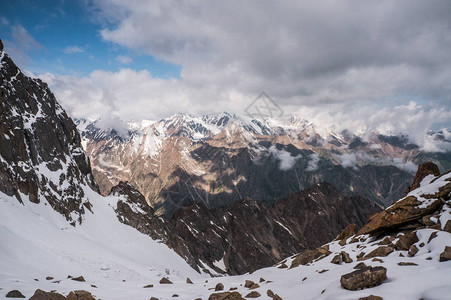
(40, 147)
(364, 278)
(408, 210)
(42, 295)
(428, 168)
(219, 159)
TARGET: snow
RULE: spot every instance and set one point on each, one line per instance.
(37, 242)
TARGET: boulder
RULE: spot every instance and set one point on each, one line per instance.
(446, 254)
(248, 283)
(270, 293)
(189, 281)
(42, 295)
(80, 295)
(412, 251)
(253, 294)
(219, 287)
(347, 232)
(371, 297)
(364, 278)
(14, 294)
(79, 278)
(424, 170)
(164, 280)
(254, 286)
(226, 296)
(406, 241)
(309, 256)
(379, 251)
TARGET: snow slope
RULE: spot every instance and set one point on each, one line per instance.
(36, 242)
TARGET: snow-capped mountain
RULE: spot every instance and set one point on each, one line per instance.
(218, 159)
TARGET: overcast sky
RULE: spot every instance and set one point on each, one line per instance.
(364, 65)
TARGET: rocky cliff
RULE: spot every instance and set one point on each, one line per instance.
(40, 147)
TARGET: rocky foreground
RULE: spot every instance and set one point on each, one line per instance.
(403, 252)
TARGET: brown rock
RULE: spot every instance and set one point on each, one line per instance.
(447, 226)
(253, 294)
(175, 295)
(219, 287)
(380, 251)
(412, 251)
(153, 298)
(248, 283)
(270, 293)
(261, 280)
(283, 266)
(364, 278)
(189, 281)
(164, 280)
(371, 297)
(309, 256)
(360, 265)
(49, 278)
(400, 213)
(276, 297)
(377, 260)
(403, 263)
(345, 257)
(406, 241)
(424, 170)
(41, 295)
(347, 232)
(254, 286)
(426, 220)
(80, 295)
(226, 296)
(446, 254)
(336, 260)
(432, 236)
(148, 286)
(14, 294)
(79, 278)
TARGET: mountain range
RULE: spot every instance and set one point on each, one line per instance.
(62, 239)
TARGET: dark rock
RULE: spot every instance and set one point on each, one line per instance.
(270, 293)
(153, 298)
(226, 296)
(175, 295)
(447, 226)
(336, 259)
(323, 271)
(403, 263)
(371, 297)
(360, 265)
(276, 297)
(446, 254)
(406, 241)
(380, 251)
(412, 251)
(14, 294)
(148, 286)
(80, 295)
(253, 294)
(79, 278)
(261, 280)
(248, 283)
(254, 286)
(377, 260)
(424, 170)
(219, 287)
(364, 278)
(165, 280)
(432, 236)
(309, 256)
(49, 278)
(42, 295)
(189, 281)
(347, 232)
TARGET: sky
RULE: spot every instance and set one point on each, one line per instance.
(364, 65)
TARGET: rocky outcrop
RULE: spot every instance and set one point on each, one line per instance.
(425, 169)
(364, 278)
(42, 295)
(40, 148)
(409, 210)
(14, 294)
(226, 296)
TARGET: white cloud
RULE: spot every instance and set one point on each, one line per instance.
(123, 59)
(313, 162)
(286, 160)
(73, 49)
(21, 44)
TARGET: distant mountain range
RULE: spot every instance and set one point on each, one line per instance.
(221, 158)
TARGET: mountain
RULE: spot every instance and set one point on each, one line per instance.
(53, 221)
(218, 159)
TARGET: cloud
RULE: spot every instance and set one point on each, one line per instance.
(123, 59)
(73, 49)
(286, 160)
(354, 160)
(313, 162)
(311, 53)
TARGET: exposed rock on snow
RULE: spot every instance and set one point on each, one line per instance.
(364, 278)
